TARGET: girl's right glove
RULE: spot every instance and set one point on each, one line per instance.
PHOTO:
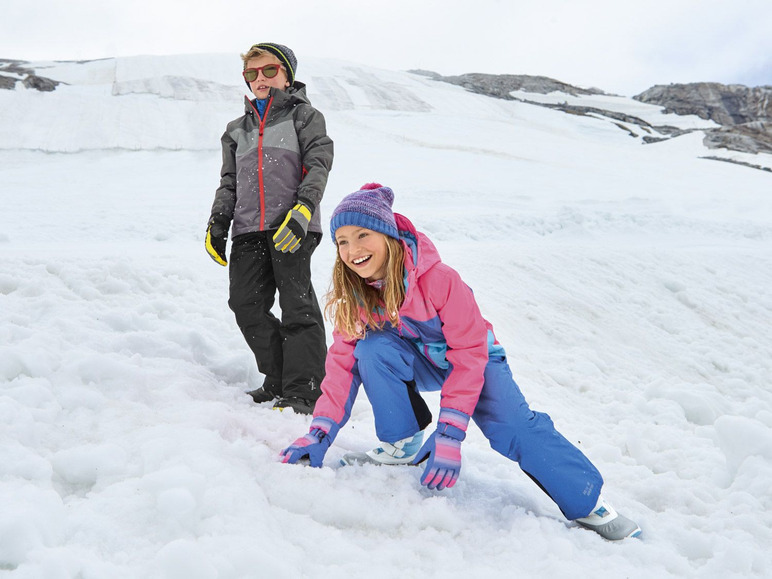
(443, 450)
(313, 446)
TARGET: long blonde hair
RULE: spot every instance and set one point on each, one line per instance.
(350, 296)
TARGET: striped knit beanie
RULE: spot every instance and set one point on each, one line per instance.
(370, 207)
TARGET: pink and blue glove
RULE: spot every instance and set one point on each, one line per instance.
(313, 446)
(443, 450)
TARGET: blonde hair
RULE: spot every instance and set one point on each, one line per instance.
(351, 301)
(255, 52)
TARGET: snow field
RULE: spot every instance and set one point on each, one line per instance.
(629, 285)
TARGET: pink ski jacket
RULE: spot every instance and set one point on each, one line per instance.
(439, 316)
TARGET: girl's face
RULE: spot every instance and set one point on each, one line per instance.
(363, 251)
(261, 84)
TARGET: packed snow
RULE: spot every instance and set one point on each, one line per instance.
(631, 285)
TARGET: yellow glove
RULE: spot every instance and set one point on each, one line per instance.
(216, 238)
(293, 229)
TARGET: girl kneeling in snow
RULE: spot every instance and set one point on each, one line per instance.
(404, 322)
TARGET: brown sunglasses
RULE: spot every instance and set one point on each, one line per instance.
(269, 71)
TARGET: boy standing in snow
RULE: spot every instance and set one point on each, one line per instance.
(276, 159)
(406, 322)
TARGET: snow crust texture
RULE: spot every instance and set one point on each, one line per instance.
(629, 283)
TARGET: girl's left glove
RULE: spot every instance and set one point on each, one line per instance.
(313, 445)
(443, 450)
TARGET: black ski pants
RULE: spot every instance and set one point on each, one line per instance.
(290, 352)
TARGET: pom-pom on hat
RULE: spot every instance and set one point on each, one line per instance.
(370, 207)
(285, 56)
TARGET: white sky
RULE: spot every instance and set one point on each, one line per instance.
(620, 46)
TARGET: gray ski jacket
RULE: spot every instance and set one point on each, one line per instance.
(269, 165)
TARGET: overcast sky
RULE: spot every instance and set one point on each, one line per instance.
(620, 46)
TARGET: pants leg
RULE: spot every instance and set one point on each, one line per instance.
(390, 369)
(386, 363)
(252, 294)
(303, 341)
(530, 438)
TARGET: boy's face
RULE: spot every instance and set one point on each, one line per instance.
(261, 84)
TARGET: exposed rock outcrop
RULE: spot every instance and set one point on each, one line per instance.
(40, 83)
(8, 82)
(501, 85)
(754, 137)
(744, 113)
(28, 77)
(726, 104)
(737, 162)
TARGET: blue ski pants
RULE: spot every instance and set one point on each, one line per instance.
(389, 366)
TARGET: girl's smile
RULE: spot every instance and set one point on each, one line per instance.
(363, 251)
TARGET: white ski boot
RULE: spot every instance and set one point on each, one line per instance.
(609, 524)
(400, 452)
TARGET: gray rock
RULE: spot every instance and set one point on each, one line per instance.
(31, 80)
(7, 82)
(15, 66)
(40, 83)
(732, 104)
(500, 85)
(744, 113)
(753, 137)
(736, 162)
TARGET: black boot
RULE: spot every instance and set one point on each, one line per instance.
(299, 405)
(270, 390)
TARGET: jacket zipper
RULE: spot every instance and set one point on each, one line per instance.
(261, 127)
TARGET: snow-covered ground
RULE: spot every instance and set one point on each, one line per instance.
(631, 285)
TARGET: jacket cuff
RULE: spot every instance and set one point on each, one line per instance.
(326, 425)
(454, 418)
(221, 219)
(308, 203)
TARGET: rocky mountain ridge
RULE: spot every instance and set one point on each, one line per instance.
(744, 113)
(13, 71)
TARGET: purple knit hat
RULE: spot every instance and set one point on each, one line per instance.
(370, 207)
